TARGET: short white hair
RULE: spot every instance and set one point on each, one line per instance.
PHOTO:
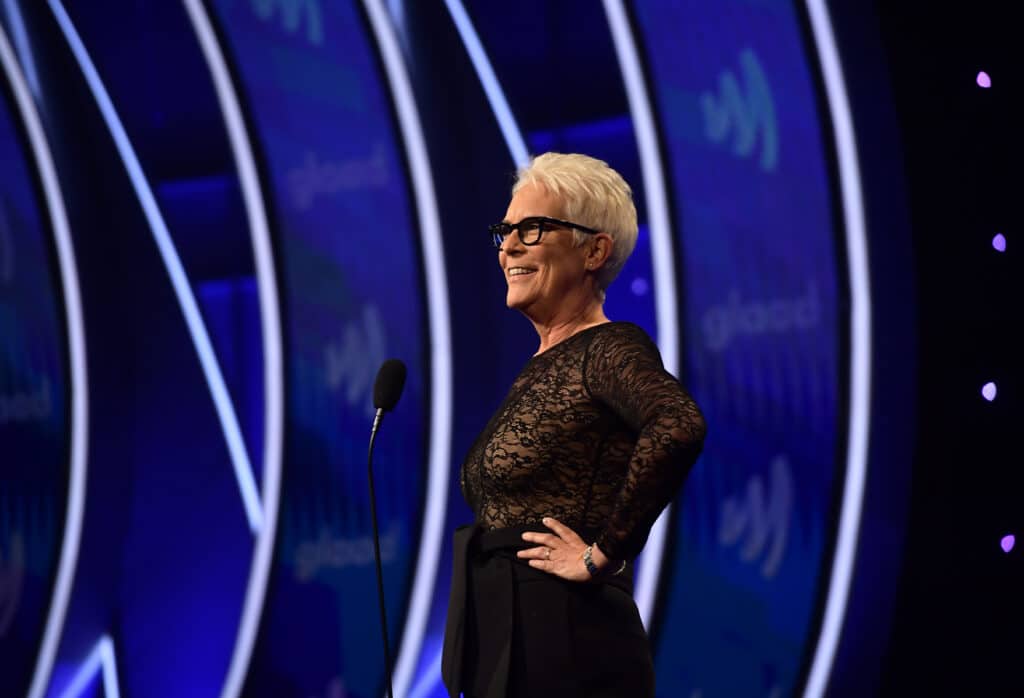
(592, 194)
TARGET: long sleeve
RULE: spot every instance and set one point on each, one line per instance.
(623, 370)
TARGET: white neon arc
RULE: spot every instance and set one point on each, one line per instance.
(436, 500)
(860, 350)
(429, 678)
(642, 115)
(21, 42)
(270, 314)
(492, 88)
(79, 384)
(176, 272)
(101, 658)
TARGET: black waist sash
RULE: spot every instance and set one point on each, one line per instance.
(495, 579)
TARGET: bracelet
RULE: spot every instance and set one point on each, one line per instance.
(588, 560)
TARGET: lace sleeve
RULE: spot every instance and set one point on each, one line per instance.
(623, 370)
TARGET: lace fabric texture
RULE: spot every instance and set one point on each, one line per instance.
(593, 432)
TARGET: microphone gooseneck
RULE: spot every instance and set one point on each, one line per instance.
(376, 424)
(387, 389)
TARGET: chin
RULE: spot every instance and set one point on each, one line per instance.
(515, 301)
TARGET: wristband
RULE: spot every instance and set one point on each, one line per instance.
(588, 560)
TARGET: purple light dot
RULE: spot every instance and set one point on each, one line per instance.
(999, 242)
(639, 286)
(988, 391)
(984, 80)
(1007, 543)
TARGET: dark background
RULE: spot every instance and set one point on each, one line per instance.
(959, 621)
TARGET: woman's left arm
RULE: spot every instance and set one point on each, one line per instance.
(623, 369)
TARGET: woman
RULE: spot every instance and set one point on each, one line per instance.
(593, 440)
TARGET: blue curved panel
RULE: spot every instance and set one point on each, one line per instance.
(352, 296)
(34, 398)
(762, 270)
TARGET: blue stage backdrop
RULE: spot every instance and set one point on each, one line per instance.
(762, 283)
(34, 396)
(352, 296)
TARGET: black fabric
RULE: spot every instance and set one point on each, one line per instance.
(455, 623)
(593, 432)
(515, 631)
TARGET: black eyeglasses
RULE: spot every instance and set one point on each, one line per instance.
(532, 229)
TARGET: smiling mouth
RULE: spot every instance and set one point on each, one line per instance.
(514, 272)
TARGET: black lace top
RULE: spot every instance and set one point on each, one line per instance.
(593, 432)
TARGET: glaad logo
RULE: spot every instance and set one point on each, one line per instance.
(743, 113)
(292, 12)
(761, 520)
(737, 318)
(6, 246)
(12, 572)
(314, 177)
(336, 553)
(352, 362)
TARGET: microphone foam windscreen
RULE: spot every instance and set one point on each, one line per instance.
(388, 387)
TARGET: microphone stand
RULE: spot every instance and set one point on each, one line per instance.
(376, 552)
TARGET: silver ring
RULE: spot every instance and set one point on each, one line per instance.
(547, 553)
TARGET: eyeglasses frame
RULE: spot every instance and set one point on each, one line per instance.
(496, 229)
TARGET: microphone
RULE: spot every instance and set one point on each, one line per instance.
(386, 391)
(387, 388)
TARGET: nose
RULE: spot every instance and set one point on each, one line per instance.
(513, 245)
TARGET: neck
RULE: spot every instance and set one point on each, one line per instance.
(560, 328)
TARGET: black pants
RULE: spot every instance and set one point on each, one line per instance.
(530, 634)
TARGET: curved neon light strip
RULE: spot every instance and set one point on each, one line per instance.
(396, 8)
(649, 567)
(860, 353)
(492, 88)
(440, 346)
(21, 41)
(252, 195)
(176, 272)
(79, 383)
(429, 679)
(101, 658)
